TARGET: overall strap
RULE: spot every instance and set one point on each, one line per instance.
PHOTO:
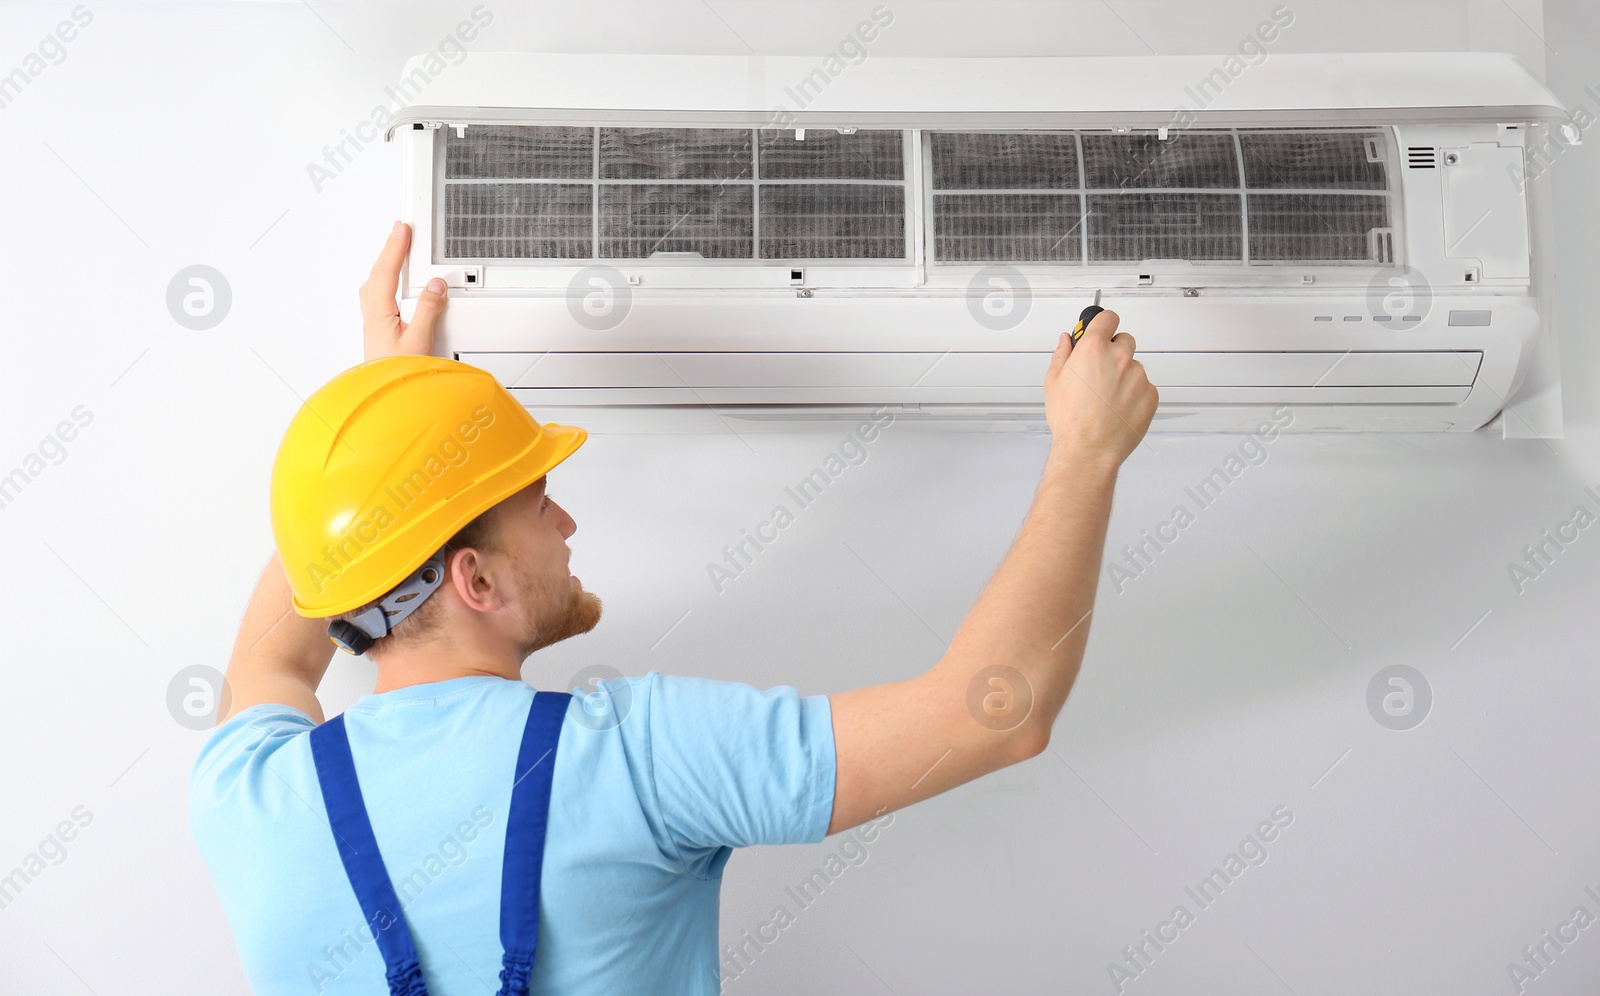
(363, 865)
(525, 832)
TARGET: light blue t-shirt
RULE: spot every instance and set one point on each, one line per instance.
(643, 815)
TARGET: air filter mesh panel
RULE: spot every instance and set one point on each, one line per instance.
(828, 155)
(1008, 227)
(832, 221)
(1304, 196)
(976, 160)
(1314, 226)
(513, 152)
(638, 219)
(1123, 162)
(518, 220)
(1134, 227)
(1327, 160)
(675, 154)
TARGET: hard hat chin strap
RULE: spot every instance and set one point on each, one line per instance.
(376, 621)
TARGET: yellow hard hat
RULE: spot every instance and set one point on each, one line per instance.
(387, 461)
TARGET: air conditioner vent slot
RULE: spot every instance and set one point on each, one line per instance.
(1381, 249)
(1422, 157)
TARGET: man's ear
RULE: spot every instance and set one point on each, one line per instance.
(470, 574)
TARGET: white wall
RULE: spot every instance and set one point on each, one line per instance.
(1223, 683)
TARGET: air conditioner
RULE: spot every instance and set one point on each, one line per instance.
(639, 242)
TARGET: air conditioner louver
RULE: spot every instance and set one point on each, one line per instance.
(1421, 157)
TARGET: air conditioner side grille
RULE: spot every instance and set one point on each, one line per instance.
(1422, 157)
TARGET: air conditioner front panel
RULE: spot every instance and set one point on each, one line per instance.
(864, 352)
(1292, 88)
(841, 323)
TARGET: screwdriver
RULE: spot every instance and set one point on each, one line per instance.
(1086, 317)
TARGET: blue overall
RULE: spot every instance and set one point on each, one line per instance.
(519, 875)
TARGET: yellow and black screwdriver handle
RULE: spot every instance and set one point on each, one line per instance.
(1086, 317)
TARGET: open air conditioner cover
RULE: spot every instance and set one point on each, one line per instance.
(1353, 237)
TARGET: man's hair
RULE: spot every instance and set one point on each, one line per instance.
(482, 533)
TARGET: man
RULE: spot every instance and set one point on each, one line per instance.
(369, 853)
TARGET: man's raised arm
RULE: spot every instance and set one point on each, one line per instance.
(280, 656)
(992, 698)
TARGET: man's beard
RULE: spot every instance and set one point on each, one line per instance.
(553, 611)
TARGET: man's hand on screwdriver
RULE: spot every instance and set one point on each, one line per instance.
(1097, 399)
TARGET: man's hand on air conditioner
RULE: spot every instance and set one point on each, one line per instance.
(1097, 398)
(382, 331)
